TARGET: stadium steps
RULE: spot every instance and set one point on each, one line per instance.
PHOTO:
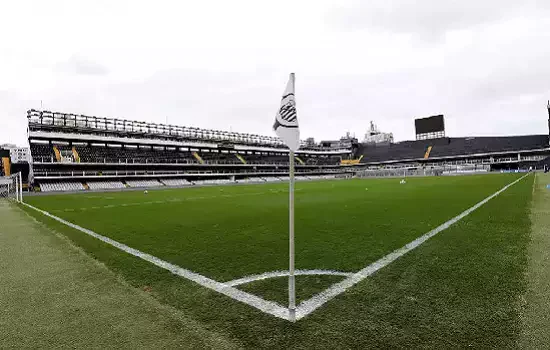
(240, 158)
(300, 161)
(7, 166)
(197, 157)
(75, 155)
(428, 150)
(57, 153)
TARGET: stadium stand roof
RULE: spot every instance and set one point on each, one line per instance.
(57, 123)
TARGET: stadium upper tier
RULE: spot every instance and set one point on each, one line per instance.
(78, 153)
(443, 148)
(46, 124)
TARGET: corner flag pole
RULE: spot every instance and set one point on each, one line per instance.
(286, 127)
(291, 278)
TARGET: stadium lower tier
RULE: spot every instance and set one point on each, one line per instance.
(75, 186)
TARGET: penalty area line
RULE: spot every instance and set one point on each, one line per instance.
(312, 304)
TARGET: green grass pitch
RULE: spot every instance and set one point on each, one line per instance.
(460, 288)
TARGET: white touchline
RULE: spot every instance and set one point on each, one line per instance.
(269, 307)
(274, 274)
(308, 306)
(265, 306)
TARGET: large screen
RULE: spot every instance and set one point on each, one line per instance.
(430, 124)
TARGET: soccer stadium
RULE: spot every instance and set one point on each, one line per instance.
(423, 243)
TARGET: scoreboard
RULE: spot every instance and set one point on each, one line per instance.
(430, 127)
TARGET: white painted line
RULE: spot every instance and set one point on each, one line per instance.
(269, 307)
(308, 306)
(274, 274)
(265, 306)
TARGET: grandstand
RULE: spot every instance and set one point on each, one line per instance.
(93, 153)
(519, 148)
(433, 149)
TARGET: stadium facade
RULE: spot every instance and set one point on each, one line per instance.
(78, 152)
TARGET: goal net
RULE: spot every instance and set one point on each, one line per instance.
(11, 187)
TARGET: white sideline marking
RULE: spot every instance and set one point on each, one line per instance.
(274, 274)
(269, 307)
(308, 306)
(265, 306)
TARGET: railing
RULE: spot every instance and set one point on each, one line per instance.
(153, 161)
(478, 161)
(428, 171)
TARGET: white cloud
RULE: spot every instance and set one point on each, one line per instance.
(223, 65)
(81, 66)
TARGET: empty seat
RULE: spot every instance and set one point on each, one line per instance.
(176, 182)
(61, 186)
(144, 183)
(105, 185)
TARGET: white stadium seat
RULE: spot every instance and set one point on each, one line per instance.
(61, 186)
(144, 183)
(176, 182)
(105, 185)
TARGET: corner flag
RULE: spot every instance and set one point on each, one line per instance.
(286, 120)
(286, 127)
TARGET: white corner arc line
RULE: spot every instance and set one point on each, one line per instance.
(265, 306)
(308, 306)
(275, 274)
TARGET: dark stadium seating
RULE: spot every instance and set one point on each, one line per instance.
(99, 154)
(42, 152)
(395, 151)
(102, 154)
(219, 158)
(450, 147)
(263, 159)
(327, 160)
(476, 145)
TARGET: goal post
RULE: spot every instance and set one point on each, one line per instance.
(11, 187)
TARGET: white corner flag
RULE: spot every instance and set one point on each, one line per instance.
(286, 127)
(286, 121)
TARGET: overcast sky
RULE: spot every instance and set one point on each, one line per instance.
(224, 64)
